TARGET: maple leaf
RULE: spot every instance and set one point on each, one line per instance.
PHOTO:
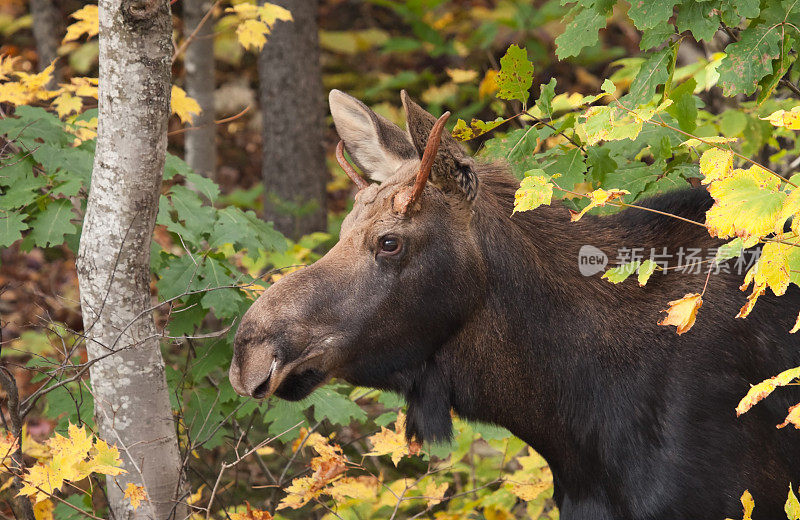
(766, 387)
(392, 441)
(87, 23)
(106, 459)
(66, 104)
(73, 447)
(533, 479)
(434, 493)
(311, 440)
(135, 494)
(361, 488)
(271, 13)
(8, 445)
(597, 198)
(7, 64)
(301, 491)
(682, 313)
(84, 87)
(42, 480)
(716, 164)
(183, 106)
(252, 34)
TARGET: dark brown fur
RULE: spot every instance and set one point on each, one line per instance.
(487, 314)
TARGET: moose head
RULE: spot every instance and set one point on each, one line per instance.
(405, 274)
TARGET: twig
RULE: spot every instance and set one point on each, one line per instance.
(193, 35)
(24, 508)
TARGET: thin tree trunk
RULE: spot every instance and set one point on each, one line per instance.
(201, 150)
(291, 96)
(46, 32)
(132, 407)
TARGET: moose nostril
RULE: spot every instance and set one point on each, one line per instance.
(261, 390)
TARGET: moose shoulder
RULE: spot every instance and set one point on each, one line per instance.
(436, 291)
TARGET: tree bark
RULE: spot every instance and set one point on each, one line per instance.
(46, 31)
(201, 150)
(132, 407)
(291, 97)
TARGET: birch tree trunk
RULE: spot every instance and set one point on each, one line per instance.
(291, 97)
(132, 407)
(201, 150)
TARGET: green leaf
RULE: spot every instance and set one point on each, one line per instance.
(282, 415)
(582, 31)
(545, 101)
(476, 128)
(779, 68)
(50, 226)
(174, 165)
(196, 217)
(337, 408)
(226, 302)
(647, 14)
(10, 226)
(699, 17)
(730, 250)
(645, 271)
(654, 72)
(749, 59)
(534, 190)
(732, 123)
(571, 167)
(204, 185)
(744, 8)
(655, 36)
(30, 124)
(516, 75)
(684, 108)
(621, 273)
(179, 276)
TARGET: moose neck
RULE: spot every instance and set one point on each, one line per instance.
(517, 362)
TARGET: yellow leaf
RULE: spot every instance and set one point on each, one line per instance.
(488, 84)
(716, 164)
(252, 34)
(271, 13)
(83, 87)
(195, 497)
(183, 106)
(530, 490)
(534, 190)
(301, 491)
(782, 118)
(8, 444)
(41, 481)
(746, 204)
(796, 325)
(7, 64)
(747, 505)
(43, 510)
(682, 313)
(597, 198)
(360, 488)
(14, 93)
(434, 493)
(462, 75)
(311, 440)
(706, 140)
(771, 270)
(392, 442)
(793, 417)
(792, 507)
(244, 11)
(266, 450)
(87, 23)
(66, 104)
(766, 387)
(106, 459)
(135, 494)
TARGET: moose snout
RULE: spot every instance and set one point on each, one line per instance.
(254, 376)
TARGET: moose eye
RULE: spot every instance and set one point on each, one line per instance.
(389, 245)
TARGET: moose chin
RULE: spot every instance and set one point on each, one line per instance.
(436, 291)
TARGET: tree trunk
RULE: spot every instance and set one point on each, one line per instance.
(46, 31)
(201, 150)
(132, 407)
(291, 96)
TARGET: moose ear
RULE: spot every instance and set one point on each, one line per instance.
(378, 146)
(453, 169)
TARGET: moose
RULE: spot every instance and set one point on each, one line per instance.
(437, 291)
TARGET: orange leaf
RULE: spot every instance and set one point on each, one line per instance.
(683, 312)
(793, 417)
(764, 388)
